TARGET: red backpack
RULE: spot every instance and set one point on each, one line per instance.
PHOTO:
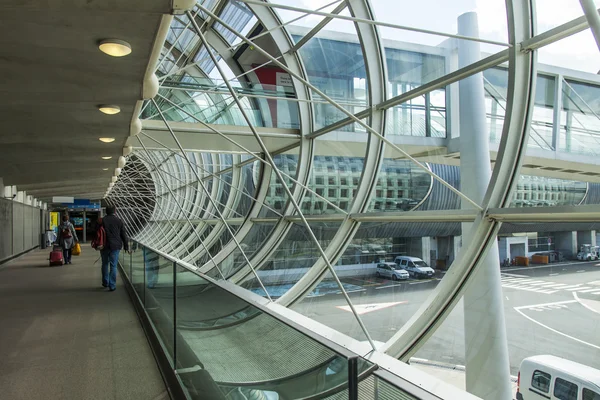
(100, 240)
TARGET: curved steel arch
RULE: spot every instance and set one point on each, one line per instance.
(522, 68)
(284, 43)
(374, 55)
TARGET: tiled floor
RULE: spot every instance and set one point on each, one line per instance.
(63, 336)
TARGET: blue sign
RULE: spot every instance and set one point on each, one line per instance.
(88, 206)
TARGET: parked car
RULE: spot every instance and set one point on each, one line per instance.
(550, 377)
(588, 252)
(415, 266)
(391, 270)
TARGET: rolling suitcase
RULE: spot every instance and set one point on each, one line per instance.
(56, 256)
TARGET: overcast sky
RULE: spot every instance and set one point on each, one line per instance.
(577, 52)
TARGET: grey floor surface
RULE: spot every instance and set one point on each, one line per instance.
(63, 336)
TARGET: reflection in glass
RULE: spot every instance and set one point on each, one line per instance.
(240, 349)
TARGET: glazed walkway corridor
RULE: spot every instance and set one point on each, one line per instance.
(63, 336)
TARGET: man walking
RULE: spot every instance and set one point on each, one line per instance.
(116, 238)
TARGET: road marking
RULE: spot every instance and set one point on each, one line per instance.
(585, 305)
(389, 286)
(517, 309)
(571, 286)
(594, 283)
(515, 275)
(416, 283)
(540, 283)
(554, 274)
(546, 304)
(352, 291)
(578, 288)
(367, 308)
(581, 270)
(587, 290)
(596, 293)
(529, 289)
(543, 266)
(554, 285)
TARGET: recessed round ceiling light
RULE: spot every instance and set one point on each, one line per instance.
(109, 109)
(115, 47)
(106, 157)
(107, 139)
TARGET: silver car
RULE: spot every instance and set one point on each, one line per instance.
(391, 270)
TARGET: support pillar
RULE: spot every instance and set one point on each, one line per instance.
(486, 348)
(566, 243)
(585, 237)
(426, 250)
(84, 238)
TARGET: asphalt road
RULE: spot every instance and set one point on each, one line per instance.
(552, 309)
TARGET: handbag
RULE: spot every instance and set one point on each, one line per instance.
(76, 249)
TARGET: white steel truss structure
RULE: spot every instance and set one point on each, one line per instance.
(256, 162)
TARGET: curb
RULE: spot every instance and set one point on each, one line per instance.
(443, 365)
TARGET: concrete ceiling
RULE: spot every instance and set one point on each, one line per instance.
(53, 79)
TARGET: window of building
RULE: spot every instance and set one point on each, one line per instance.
(318, 206)
(590, 395)
(541, 381)
(379, 193)
(390, 182)
(355, 181)
(331, 180)
(390, 194)
(400, 182)
(331, 193)
(319, 180)
(279, 191)
(344, 193)
(343, 205)
(565, 390)
(344, 181)
(400, 194)
(320, 191)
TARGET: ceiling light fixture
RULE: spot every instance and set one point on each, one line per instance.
(104, 169)
(106, 157)
(109, 109)
(114, 47)
(107, 139)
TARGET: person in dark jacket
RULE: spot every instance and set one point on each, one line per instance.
(116, 238)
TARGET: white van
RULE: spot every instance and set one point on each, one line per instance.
(550, 377)
(415, 266)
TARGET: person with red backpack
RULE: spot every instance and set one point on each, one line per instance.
(67, 237)
(99, 241)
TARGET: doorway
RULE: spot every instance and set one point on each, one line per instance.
(85, 223)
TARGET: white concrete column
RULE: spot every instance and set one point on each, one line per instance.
(457, 245)
(425, 249)
(486, 348)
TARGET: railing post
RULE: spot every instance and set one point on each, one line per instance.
(174, 316)
(353, 378)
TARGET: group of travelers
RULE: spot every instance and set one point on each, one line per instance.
(110, 239)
